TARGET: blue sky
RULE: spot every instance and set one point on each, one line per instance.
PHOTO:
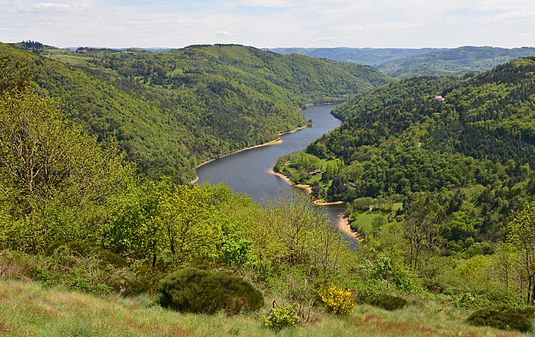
(270, 23)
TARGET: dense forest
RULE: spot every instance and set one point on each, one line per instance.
(419, 62)
(172, 110)
(446, 162)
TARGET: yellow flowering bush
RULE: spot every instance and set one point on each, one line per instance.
(338, 300)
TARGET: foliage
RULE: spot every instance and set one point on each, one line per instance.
(279, 318)
(45, 162)
(461, 164)
(199, 291)
(92, 271)
(172, 110)
(388, 302)
(503, 318)
(337, 300)
(399, 62)
(521, 234)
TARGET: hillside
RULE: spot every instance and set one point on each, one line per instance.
(28, 309)
(171, 110)
(453, 61)
(466, 158)
(419, 62)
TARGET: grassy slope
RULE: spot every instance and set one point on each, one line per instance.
(26, 309)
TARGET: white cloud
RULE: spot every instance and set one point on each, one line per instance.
(270, 23)
(262, 3)
(51, 6)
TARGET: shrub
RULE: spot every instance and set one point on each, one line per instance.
(387, 302)
(338, 300)
(281, 317)
(504, 318)
(200, 291)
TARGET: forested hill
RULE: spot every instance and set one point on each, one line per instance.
(171, 110)
(452, 61)
(472, 139)
(419, 62)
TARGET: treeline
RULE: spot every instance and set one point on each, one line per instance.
(172, 110)
(456, 154)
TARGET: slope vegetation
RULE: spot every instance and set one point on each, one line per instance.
(29, 310)
(469, 144)
(173, 109)
(419, 62)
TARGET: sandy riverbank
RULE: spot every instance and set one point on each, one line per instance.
(293, 131)
(343, 225)
(305, 187)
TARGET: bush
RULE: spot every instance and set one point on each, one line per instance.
(339, 301)
(388, 302)
(107, 256)
(199, 291)
(504, 318)
(282, 317)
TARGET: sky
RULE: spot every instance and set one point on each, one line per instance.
(270, 23)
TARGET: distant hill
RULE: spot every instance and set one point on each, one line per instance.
(418, 62)
(173, 109)
(452, 61)
(369, 56)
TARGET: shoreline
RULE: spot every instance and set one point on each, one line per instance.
(343, 225)
(275, 141)
(343, 219)
(305, 187)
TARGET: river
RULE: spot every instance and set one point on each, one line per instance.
(248, 171)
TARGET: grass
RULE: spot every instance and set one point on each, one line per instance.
(27, 309)
(362, 221)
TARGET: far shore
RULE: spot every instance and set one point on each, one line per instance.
(278, 140)
(305, 187)
(271, 142)
(343, 220)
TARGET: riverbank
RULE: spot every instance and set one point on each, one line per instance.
(343, 225)
(271, 142)
(307, 188)
(278, 140)
(343, 220)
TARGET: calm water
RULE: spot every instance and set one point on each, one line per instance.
(247, 172)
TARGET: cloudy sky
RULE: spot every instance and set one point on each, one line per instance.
(270, 23)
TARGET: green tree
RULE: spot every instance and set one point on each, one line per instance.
(521, 233)
(53, 171)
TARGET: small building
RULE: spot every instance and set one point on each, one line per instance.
(315, 172)
(439, 98)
